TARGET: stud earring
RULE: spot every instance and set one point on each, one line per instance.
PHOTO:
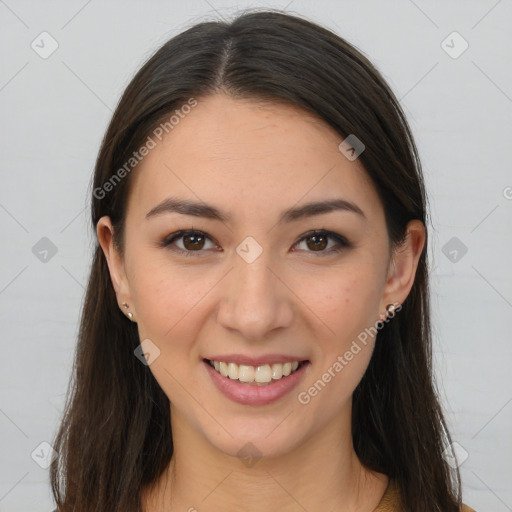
(391, 309)
(128, 314)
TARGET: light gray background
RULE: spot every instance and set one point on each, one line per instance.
(53, 115)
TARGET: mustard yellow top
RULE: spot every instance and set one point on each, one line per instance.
(389, 501)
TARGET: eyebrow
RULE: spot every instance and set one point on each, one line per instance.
(200, 209)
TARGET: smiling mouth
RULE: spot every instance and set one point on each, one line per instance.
(262, 375)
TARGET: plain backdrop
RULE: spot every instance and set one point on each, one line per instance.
(449, 63)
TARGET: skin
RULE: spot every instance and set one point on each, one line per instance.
(252, 161)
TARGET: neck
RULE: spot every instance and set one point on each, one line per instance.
(323, 473)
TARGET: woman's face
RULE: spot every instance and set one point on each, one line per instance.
(257, 284)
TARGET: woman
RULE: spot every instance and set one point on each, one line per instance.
(256, 329)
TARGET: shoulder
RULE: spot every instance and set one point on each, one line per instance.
(389, 500)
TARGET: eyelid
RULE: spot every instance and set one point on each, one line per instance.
(342, 241)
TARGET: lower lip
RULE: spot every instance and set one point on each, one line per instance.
(252, 394)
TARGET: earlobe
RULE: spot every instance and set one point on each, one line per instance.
(404, 263)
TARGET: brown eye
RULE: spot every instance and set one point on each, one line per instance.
(318, 242)
(188, 242)
(193, 242)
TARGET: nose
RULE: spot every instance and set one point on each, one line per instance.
(255, 300)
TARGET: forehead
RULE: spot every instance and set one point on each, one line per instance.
(244, 156)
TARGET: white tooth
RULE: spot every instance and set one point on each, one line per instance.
(263, 374)
(245, 373)
(233, 371)
(277, 371)
(223, 369)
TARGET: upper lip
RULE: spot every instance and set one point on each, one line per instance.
(255, 361)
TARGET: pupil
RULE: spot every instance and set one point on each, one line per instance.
(196, 241)
(316, 244)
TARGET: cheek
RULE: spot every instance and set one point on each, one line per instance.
(166, 295)
(348, 301)
(348, 306)
(169, 302)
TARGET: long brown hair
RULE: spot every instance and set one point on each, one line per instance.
(115, 437)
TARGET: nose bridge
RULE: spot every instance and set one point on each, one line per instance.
(255, 302)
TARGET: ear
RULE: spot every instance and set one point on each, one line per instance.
(105, 232)
(403, 265)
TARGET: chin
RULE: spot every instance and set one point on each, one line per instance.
(251, 442)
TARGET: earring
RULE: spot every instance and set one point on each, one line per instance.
(390, 308)
(129, 315)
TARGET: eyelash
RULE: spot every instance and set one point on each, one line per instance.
(342, 242)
